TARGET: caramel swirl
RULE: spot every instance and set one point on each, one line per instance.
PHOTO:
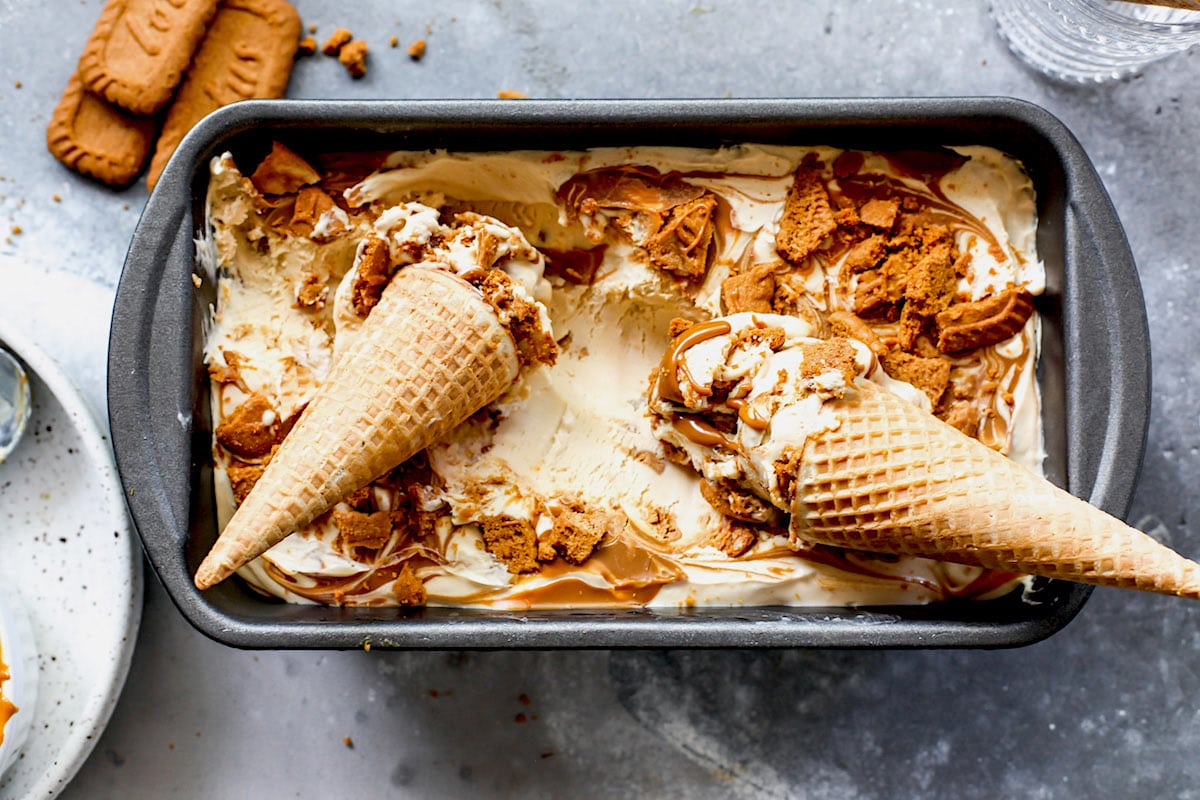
(672, 363)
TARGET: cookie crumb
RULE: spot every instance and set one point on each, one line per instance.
(394, 41)
(56, 199)
(348, 742)
(354, 58)
(17, 230)
(17, 85)
(307, 46)
(312, 28)
(416, 50)
(511, 94)
(409, 588)
(336, 41)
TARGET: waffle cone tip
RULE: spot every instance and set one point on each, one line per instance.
(892, 478)
(430, 354)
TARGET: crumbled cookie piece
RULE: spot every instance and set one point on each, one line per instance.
(845, 324)
(394, 41)
(576, 532)
(511, 94)
(993, 319)
(408, 588)
(416, 50)
(679, 243)
(930, 375)
(230, 371)
(283, 172)
(832, 354)
(753, 290)
(311, 203)
(737, 503)
(879, 291)
(772, 336)
(353, 56)
(733, 538)
(679, 325)
(361, 499)
(879, 213)
(242, 477)
(663, 523)
(251, 430)
(866, 254)
(807, 215)
(512, 541)
(652, 460)
(307, 46)
(374, 269)
(787, 468)
(336, 41)
(520, 316)
(312, 292)
(356, 529)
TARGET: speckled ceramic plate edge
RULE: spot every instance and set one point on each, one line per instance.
(94, 713)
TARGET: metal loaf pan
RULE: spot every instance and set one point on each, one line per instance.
(1094, 369)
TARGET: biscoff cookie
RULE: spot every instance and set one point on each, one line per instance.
(139, 49)
(98, 139)
(247, 53)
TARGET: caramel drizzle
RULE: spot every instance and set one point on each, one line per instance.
(673, 363)
(747, 414)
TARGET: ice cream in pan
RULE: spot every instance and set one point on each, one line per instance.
(564, 481)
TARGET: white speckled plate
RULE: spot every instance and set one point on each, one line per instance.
(67, 550)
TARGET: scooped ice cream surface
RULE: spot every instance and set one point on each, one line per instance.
(561, 493)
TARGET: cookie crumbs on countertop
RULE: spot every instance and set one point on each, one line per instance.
(56, 199)
(307, 46)
(511, 94)
(416, 50)
(394, 41)
(348, 742)
(354, 58)
(312, 28)
(17, 230)
(339, 38)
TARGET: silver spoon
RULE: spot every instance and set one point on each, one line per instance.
(14, 402)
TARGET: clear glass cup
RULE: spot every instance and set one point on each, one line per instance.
(1092, 41)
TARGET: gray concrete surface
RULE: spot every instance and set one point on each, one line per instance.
(1108, 707)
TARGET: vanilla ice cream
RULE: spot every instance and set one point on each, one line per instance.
(561, 493)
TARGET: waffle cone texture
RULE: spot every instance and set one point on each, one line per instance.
(430, 354)
(894, 479)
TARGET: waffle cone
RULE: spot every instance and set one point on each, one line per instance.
(894, 479)
(430, 354)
